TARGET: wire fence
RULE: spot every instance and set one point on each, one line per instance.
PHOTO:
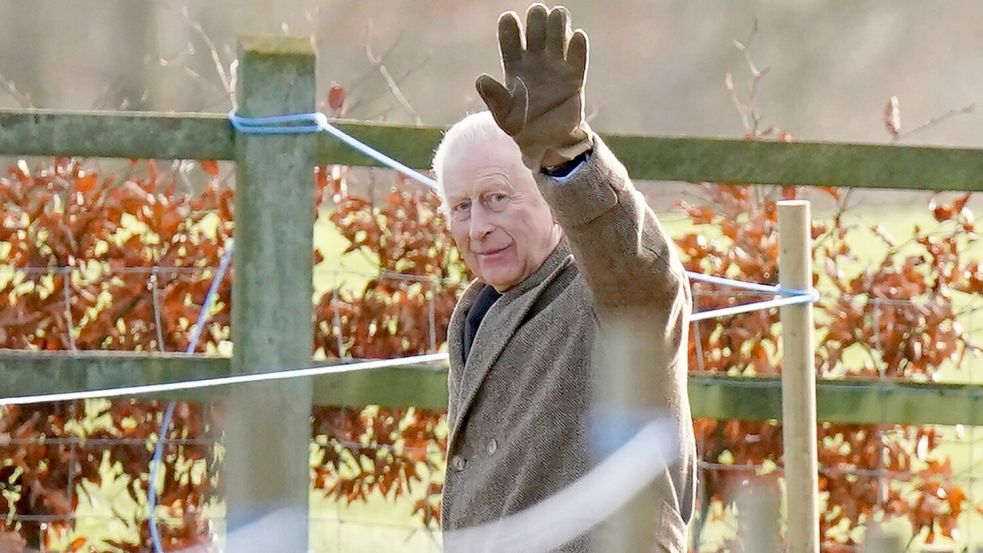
(393, 521)
(99, 497)
(937, 489)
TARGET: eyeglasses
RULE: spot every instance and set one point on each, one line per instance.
(496, 202)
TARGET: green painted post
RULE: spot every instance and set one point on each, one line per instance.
(268, 425)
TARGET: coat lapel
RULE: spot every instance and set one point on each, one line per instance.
(497, 328)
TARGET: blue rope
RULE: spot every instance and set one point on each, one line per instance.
(302, 123)
(317, 122)
(766, 288)
(279, 124)
(310, 123)
(807, 297)
(165, 423)
(790, 296)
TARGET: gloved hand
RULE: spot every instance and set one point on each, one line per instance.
(541, 105)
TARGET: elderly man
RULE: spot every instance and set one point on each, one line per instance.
(571, 265)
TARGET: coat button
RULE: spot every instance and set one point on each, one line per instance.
(491, 447)
(458, 463)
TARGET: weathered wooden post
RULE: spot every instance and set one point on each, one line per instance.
(759, 520)
(798, 380)
(268, 425)
(880, 540)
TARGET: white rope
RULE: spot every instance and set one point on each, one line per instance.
(222, 381)
(543, 527)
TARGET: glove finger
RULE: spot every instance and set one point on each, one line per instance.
(536, 28)
(558, 32)
(577, 53)
(496, 97)
(509, 40)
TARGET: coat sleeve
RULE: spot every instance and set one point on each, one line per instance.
(641, 297)
(617, 240)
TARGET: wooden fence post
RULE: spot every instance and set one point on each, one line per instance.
(798, 380)
(759, 518)
(268, 427)
(880, 540)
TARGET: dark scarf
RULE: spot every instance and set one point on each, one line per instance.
(486, 298)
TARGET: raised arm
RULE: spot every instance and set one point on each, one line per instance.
(640, 293)
(617, 240)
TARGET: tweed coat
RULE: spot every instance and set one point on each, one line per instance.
(520, 404)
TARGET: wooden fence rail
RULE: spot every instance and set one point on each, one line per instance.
(209, 136)
(854, 401)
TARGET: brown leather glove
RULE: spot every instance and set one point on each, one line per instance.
(541, 105)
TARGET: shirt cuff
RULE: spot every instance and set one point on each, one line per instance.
(565, 171)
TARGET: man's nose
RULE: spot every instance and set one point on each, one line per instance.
(481, 224)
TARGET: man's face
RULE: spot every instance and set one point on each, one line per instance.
(499, 220)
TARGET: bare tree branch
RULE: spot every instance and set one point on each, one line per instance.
(399, 80)
(228, 78)
(934, 122)
(371, 70)
(21, 98)
(747, 108)
(390, 82)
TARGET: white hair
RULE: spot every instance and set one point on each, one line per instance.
(477, 127)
